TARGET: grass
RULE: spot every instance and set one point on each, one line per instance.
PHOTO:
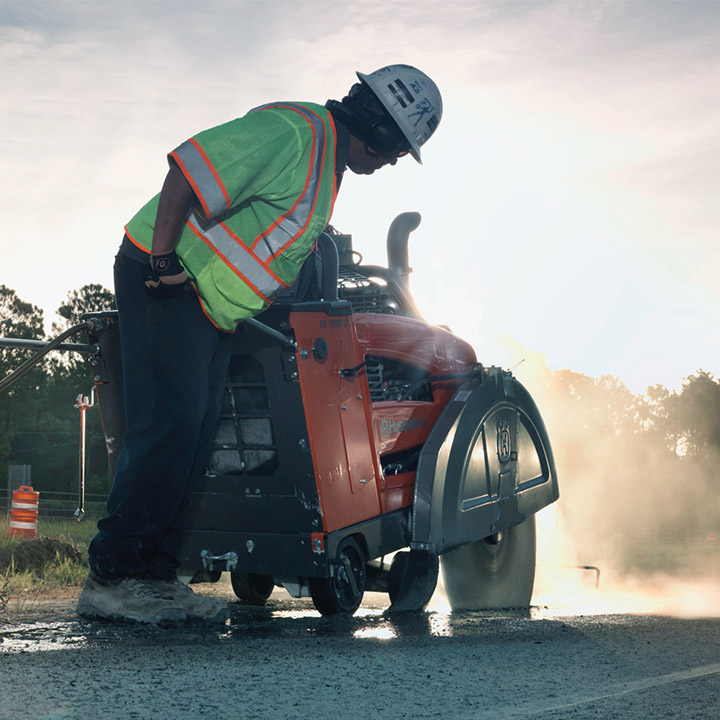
(55, 560)
(70, 529)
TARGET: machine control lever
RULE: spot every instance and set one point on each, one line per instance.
(352, 372)
(284, 340)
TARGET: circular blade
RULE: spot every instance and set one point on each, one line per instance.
(495, 572)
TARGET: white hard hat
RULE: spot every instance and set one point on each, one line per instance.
(412, 99)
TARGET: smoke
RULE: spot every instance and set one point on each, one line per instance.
(634, 514)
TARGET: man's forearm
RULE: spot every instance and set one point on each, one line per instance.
(176, 200)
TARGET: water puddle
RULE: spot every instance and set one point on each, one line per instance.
(276, 620)
(39, 637)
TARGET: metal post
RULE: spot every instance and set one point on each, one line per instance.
(82, 403)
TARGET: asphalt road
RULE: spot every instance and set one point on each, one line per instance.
(285, 661)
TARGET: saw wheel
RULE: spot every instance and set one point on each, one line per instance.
(492, 573)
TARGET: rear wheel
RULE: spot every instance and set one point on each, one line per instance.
(495, 572)
(343, 591)
(252, 589)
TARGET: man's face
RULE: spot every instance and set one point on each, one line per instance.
(362, 160)
(367, 165)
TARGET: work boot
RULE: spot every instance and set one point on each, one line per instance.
(127, 599)
(199, 607)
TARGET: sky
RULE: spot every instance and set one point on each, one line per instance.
(570, 197)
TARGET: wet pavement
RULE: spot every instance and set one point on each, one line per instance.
(286, 661)
(56, 626)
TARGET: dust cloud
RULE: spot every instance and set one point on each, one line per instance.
(636, 526)
(565, 585)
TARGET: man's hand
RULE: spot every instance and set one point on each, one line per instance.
(167, 276)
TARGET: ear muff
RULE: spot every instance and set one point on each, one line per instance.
(353, 123)
(365, 117)
(384, 136)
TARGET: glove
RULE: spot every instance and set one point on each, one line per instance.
(167, 276)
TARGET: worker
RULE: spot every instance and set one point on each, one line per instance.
(240, 210)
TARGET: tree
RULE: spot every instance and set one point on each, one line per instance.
(20, 402)
(89, 298)
(40, 424)
(638, 473)
(69, 375)
(692, 417)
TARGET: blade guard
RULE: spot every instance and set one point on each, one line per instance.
(486, 466)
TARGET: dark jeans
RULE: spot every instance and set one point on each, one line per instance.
(174, 367)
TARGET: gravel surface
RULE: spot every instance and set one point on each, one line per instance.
(285, 661)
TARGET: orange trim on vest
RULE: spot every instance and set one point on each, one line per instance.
(193, 184)
(213, 171)
(335, 186)
(229, 264)
(317, 194)
(135, 242)
(268, 269)
(268, 230)
(206, 314)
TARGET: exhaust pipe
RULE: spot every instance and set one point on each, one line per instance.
(397, 245)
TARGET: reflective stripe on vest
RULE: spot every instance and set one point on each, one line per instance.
(281, 233)
(250, 264)
(208, 186)
(238, 256)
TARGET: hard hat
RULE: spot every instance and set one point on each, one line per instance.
(412, 99)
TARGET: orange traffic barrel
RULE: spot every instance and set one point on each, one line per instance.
(24, 512)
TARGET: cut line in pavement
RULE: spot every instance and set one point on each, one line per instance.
(626, 688)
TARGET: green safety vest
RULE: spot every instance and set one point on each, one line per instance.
(266, 189)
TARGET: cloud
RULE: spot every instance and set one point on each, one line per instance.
(576, 155)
